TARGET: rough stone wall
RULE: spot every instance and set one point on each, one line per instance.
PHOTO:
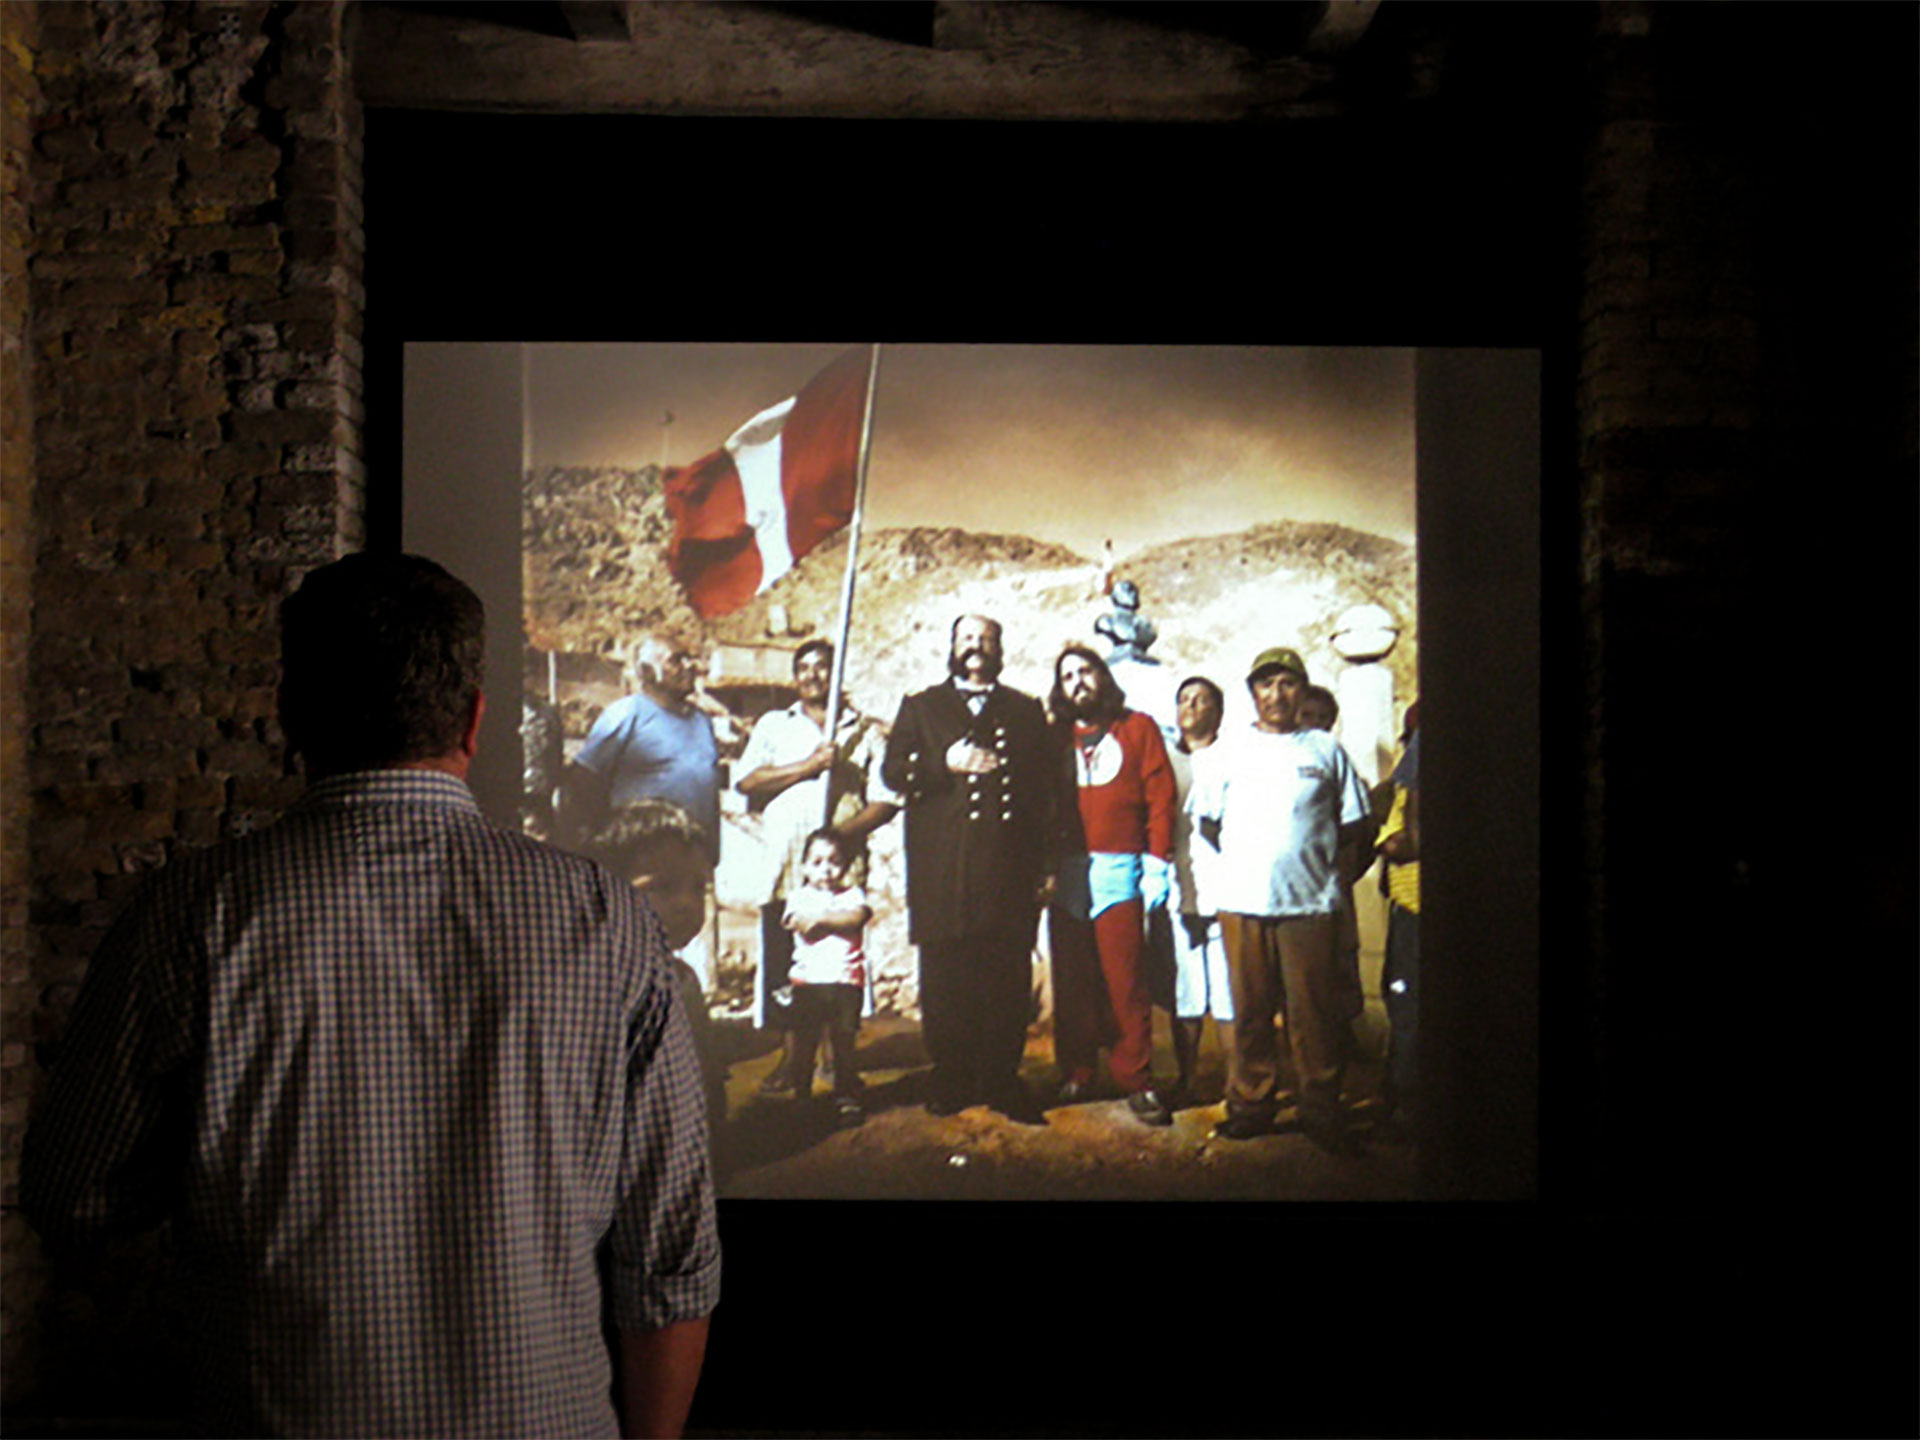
(192, 349)
(1671, 430)
(1744, 393)
(1667, 401)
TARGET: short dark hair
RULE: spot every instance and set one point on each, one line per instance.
(1113, 698)
(807, 647)
(635, 831)
(382, 657)
(1320, 692)
(1219, 695)
(844, 845)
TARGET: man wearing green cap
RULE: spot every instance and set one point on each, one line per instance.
(1280, 807)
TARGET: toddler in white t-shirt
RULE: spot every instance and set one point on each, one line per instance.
(828, 915)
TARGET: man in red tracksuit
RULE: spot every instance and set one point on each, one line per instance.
(1116, 860)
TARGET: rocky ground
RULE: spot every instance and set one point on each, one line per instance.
(1095, 1151)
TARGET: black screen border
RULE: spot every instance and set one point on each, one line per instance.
(496, 228)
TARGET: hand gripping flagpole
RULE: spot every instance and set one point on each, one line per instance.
(846, 581)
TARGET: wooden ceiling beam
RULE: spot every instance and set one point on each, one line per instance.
(950, 59)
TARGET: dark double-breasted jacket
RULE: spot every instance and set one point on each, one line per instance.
(977, 845)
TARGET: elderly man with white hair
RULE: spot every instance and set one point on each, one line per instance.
(655, 744)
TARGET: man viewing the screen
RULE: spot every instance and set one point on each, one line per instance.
(416, 1092)
(655, 744)
(1280, 805)
(970, 759)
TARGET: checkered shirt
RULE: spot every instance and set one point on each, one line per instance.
(422, 1102)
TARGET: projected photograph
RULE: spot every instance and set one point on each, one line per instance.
(1112, 637)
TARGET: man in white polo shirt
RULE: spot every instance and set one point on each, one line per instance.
(1281, 806)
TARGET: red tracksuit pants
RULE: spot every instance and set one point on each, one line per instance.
(1100, 995)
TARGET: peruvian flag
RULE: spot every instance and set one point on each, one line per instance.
(781, 484)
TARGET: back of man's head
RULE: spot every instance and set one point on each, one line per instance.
(382, 657)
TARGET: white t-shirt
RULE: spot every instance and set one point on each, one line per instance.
(1280, 800)
(836, 958)
(786, 737)
(1193, 857)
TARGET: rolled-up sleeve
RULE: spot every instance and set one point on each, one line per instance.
(662, 1257)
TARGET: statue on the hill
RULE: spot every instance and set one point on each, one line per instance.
(1148, 686)
(1131, 632)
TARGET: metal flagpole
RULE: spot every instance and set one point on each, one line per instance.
(846, 581)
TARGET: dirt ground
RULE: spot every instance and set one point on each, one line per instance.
(790, 1149)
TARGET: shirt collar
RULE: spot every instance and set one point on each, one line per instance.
(390, 787)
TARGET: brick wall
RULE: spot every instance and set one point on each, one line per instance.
(19, 1257)
(191, 334)
(1671, 426)
(1746, 468)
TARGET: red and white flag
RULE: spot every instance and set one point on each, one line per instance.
(782, 483)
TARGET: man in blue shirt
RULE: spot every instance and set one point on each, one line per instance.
(655, 744)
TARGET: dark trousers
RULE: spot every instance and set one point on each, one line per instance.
(832, 1011)
(974, 996)
(1400, 987)
(1284, 967)
(1100, 995)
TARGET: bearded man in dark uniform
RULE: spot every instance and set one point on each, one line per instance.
(970, 759)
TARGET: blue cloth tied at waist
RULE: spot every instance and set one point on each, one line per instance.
(1091, 884)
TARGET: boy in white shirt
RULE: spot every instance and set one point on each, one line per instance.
(658, 849)
(828, 915)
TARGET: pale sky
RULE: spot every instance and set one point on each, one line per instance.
(1074, 444)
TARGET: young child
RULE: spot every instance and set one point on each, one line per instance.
(828, 915)
(662, 853)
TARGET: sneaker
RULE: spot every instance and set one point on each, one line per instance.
(1149, 1107)
(848, 1113)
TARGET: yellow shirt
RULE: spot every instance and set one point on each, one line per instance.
(1403, 881)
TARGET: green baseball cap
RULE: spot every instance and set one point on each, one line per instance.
(1277, 658)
